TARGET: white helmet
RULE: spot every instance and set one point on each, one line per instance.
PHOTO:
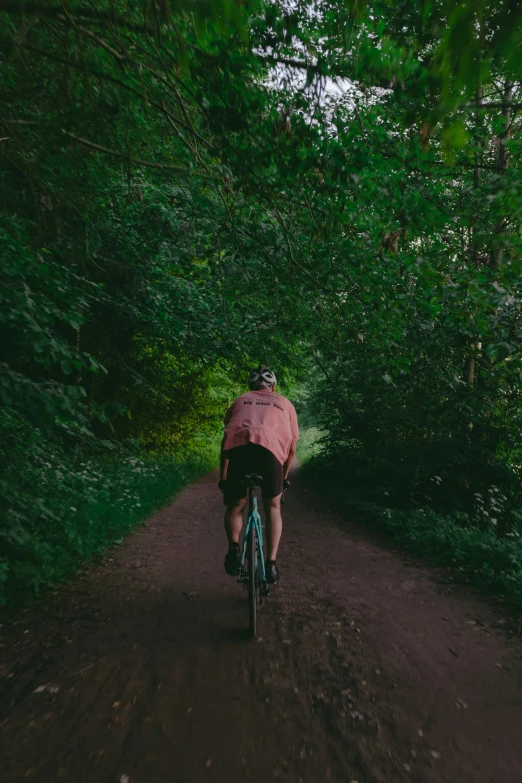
(261, 376)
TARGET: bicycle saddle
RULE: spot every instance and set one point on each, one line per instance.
(253, 478)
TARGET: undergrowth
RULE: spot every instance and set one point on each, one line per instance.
(308, 444)
(467, 542)
(61, 508)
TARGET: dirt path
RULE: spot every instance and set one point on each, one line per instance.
(368, 670)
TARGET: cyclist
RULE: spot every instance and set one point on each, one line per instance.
(261, 433)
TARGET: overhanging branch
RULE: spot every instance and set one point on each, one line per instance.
(125, 156)
(19, 8)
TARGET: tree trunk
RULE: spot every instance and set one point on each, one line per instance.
(503, 161)
(469, 363)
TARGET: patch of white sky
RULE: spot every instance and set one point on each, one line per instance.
(325, 94)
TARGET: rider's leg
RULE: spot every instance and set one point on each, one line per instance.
(233, 525)
(234, 520)
(274, 526)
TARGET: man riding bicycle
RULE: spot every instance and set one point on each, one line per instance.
(260, 437)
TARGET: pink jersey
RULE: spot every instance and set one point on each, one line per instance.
(262, 417)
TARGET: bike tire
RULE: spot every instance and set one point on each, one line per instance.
(252, 587)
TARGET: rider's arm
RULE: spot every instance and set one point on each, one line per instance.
(223, 459)
(289, 459)
(295, 437)
(223, 462)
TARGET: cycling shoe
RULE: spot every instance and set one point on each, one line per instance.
(233, 561)
(272, 573)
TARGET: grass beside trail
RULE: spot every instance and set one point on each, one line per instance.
(308, 444)
(62, 516)
(475, 553)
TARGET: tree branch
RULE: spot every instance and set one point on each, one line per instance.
(20, 8)
(125, 156)
(103, 75)
(492, 105)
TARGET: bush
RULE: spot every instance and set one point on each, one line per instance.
(62, 506)
(469, 543)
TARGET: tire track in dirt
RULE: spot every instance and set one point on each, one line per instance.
(367, 669)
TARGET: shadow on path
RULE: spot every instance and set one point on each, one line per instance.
(366, 670)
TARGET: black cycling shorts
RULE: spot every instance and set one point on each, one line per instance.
(252, 459)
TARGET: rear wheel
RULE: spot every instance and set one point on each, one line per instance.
(252, 585)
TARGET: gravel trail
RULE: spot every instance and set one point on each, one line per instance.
(368, 668)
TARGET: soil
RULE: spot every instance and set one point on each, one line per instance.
(368, 668)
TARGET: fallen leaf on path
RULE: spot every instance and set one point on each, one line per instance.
(85, 668)
(435, 754)
(49, 688)
(420, 733)
(452, 651)
(125, 779)
(116, 704)
(209, 762)
(407, 767)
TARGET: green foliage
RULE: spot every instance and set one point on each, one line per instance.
(61, 506)
(309, 444)
(190, 188)
(41, 303)
(466, 542)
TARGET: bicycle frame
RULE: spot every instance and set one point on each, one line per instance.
(254, 524)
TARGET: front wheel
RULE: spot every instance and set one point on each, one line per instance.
(252, 597)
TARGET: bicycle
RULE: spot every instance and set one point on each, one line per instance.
(253, 572)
